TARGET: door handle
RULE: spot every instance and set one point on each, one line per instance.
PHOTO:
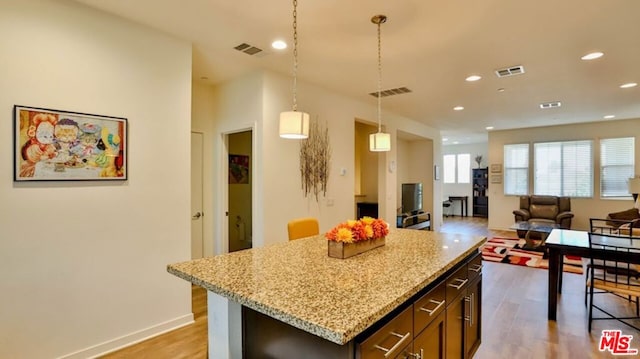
(197, 215)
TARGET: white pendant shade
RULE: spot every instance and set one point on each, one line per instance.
(379, 142)
(294, 125)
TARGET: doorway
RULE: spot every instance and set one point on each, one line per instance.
(197, 222)
(240, 190)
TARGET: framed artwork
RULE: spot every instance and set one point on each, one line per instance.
(496, 178)
(496, 168)
(54, 145)
(238, 169)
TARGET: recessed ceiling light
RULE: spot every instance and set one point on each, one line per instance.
(445, 139)
(455, 142)
(489, 128)
(458, 108)
(279, 45)
(473, 78)
(592, 56)
(608, 117)
(628, 85)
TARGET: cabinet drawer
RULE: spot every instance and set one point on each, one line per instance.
(428, 307)
(475, 267)
(456, 283)
(391, 339)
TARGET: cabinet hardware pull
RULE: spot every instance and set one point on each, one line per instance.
(471, 309)
(467, 299)
(416, 355)
(461, 281)
(431, 311)
(476, 268)
(388, 352)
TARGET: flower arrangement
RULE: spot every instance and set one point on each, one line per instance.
(353, 231)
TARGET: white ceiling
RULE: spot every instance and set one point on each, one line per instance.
(430, 47)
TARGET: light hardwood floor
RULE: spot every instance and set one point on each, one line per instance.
(514, 315)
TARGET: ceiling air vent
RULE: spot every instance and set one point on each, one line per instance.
(391, 92)
(510, 71)
(553, 104)
(248, 49)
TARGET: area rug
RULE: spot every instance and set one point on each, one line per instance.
(509, 250)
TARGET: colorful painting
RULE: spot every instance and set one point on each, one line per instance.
(52, 145)
(238, 169)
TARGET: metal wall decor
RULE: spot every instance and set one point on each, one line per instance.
(315, 160)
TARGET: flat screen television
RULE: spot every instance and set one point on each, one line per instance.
(411, 198)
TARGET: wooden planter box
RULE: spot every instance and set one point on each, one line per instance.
(346, 250)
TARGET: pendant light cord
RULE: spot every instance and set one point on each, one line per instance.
(379, 81)
(295, 55)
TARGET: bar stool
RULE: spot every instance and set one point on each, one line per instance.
(447, 208)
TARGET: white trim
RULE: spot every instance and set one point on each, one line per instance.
(130, 339)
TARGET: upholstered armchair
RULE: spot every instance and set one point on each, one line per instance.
(550, 209)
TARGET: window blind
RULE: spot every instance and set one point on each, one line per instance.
(616, 166)
(563, 168)
(516, 169)
(449, 172)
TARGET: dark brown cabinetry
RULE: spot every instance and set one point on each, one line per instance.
(445, 322)
(480, 182)
(463, 322)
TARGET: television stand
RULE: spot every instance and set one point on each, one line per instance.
(420, 220)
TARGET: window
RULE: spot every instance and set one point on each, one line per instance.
(616, 166)
(563, 169)
(449, 168)
(464, 167)
(457, 167)
(516, 169)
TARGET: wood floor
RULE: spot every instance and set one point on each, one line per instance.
(514, 317)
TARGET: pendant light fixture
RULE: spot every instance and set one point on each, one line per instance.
(294, 124)
(380, 141)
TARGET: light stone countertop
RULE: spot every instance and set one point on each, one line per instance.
(298, 283)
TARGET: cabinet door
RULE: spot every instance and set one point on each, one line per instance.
(455, 328)
(391, 339)
(430, 344)
(474, 315)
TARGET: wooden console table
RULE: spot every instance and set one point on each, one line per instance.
(463, 204)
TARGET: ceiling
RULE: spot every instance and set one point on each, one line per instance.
(428, 46)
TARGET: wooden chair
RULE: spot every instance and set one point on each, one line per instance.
(612, 272)
(303, 227)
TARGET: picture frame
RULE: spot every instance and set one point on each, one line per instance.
(496, 178)
(57, 145)
(496, 168)
(239, 169)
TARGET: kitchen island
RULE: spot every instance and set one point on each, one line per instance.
(316, 301)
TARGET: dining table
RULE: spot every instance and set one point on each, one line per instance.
(563, 242)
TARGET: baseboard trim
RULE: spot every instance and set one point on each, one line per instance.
(130, 339)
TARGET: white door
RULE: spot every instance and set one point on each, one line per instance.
(197, 243)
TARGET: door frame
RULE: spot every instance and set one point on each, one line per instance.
(223, 220)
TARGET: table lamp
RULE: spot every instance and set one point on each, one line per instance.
(634, 189)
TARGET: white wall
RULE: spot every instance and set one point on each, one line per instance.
(257, 100)
(84, 263)
(501, 206)
(415, 164)
(237, 105)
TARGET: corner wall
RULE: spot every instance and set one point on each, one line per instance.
(84, 263)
